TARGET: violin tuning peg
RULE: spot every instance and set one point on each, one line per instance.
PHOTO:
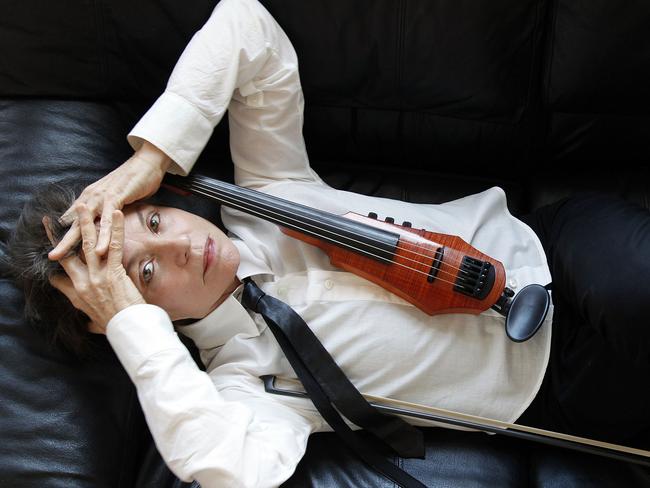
(389, 220)
(406, 223)
(372, 215)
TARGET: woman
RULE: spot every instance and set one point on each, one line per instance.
(221, 428)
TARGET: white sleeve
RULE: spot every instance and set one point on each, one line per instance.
(240, 60)
(200, 435)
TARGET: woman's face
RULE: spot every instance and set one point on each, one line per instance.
(178, 260)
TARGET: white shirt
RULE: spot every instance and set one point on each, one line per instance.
(220, 427)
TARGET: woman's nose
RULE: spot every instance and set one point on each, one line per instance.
(177, 248)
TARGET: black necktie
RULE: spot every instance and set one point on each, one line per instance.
(328, 387)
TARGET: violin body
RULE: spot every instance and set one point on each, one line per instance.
(426, 269)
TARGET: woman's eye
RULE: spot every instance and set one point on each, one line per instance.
(147, 272)
(154, 221)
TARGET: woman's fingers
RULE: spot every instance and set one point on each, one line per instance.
(48, 229)
(99, 289)
(105, 226)
(71, 217)
(76, 270)
(89, 236)
(70, 239)
(124, 292)
(116, 247)
(138, 177)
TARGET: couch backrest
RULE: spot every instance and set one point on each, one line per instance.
(442, 85)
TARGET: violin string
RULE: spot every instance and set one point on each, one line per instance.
(224, 194)
(277, 220)
(302, 226)
(360, 251)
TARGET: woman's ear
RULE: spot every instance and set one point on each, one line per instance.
(93, 328)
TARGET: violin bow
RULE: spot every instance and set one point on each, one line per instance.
(432, 414)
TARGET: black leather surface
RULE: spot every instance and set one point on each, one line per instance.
(417, 100)
(94, 50)
(62, 423)
(468, 459)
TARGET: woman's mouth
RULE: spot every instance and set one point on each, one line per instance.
(208, 254)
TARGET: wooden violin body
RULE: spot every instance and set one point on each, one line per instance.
(426, 270)
(437, 273)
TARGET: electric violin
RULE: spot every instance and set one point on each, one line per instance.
(438, 273)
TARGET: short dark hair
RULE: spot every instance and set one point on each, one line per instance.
(27, 263)
(26, 260)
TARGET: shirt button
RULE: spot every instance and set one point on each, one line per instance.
(282, 291)
(329, 284)
(512, 283)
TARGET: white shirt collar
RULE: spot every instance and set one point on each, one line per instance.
(222, 324)
(249, 263)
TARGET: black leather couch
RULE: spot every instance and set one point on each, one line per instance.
(415, 99)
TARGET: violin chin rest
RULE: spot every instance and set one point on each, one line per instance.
(527, 312)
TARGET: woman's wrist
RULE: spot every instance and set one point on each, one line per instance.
(154, 156)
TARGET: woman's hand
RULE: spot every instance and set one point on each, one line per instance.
(139, 177)
(100, 288)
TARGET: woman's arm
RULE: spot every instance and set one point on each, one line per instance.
(240, 61)
(200, 435)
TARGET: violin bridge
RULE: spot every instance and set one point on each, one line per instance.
(435, 266)
(475, 278)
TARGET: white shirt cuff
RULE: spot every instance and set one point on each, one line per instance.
(177, 128)
(138, 332)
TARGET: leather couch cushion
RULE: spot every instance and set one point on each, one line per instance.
(459, 459)
(63, 422)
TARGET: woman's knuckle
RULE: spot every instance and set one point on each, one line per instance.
(88, 245)
(96, 282)
(115, 245)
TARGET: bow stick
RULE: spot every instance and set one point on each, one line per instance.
(424, 412)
